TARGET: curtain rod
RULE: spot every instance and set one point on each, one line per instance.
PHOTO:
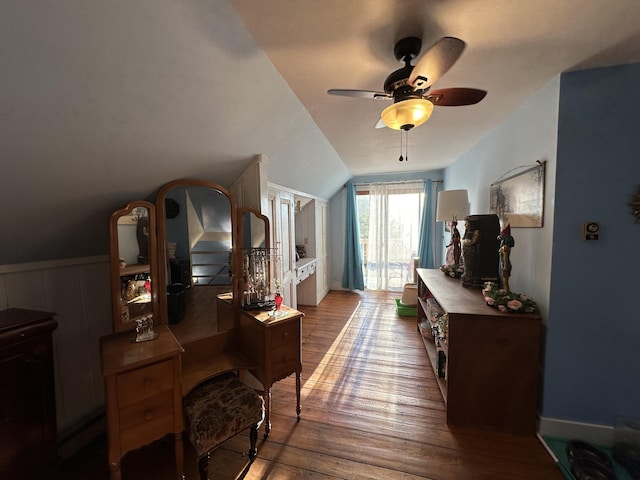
(394, 182)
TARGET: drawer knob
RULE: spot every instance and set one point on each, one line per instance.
(147, 382)
(285, 334)
(148, 415)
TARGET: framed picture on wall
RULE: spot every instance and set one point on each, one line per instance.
(519, 200)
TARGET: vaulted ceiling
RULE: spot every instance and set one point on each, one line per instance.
(513, 49)
(104, 102)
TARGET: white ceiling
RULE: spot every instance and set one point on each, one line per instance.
(514, 47)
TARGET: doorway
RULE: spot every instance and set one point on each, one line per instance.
(389, 216)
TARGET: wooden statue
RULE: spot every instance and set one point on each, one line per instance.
(506, 243)
(454, 249)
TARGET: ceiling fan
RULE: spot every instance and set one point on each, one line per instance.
(410, 86)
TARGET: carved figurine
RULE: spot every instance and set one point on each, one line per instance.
(454, 249)
(506, 244)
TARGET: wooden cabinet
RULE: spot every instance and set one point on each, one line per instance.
(281, 214)
(275, 345)
(249, 188)
(322, 250)
(143, 394)
(312, 230)
(27, 394)
(489, 363)
(305, 268)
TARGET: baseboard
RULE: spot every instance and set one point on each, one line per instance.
(75, 439)
(588, 432)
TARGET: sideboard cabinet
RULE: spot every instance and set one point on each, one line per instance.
(27, 394)
(488, 366)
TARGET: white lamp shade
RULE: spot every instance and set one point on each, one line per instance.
(406, 114)
(452, 204)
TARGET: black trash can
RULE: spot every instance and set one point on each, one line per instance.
(176, 302)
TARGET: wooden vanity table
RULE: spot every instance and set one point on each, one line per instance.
(145, 382)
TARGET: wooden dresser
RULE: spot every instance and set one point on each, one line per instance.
(488, 367)
(27, 395)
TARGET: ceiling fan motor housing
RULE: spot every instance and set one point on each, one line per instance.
(407, 47)
(397, 83)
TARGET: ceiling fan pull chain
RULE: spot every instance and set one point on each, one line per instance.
(406, 145)
(404, 158)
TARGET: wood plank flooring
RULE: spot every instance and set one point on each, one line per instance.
(371, 409)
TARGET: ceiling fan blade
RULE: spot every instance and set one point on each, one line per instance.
(454, 97)
(435, 62)
(360, 94)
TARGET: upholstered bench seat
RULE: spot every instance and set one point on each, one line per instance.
(218, 409)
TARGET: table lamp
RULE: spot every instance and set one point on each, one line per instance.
(453, 204)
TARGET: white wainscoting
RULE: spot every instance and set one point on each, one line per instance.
(77, 290)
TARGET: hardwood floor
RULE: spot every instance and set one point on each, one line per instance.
(371, 409)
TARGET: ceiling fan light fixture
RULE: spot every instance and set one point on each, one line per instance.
(407, 114)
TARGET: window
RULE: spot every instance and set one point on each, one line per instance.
(389, 216)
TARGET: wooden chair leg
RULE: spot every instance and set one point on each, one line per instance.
(253, 438)
(203, 466)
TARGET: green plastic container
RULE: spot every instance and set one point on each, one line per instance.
(406, 310)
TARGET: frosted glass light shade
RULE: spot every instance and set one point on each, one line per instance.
(452, 204)
(407, 114)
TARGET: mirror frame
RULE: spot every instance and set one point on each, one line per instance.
(163, 260)
(241, 247)
(257, 213)
(114, 264)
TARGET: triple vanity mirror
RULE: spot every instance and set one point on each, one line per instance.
(174, 260)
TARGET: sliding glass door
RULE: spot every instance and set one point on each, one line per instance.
(389, 215)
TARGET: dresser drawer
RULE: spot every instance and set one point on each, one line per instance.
(285, 334)
(145, 382)
(146, 421)
(285, 360)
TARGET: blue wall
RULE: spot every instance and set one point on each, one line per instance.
(592, 371)
(527, 135)
(585, 125)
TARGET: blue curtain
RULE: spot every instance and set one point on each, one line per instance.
(427, 225)
(352, 277)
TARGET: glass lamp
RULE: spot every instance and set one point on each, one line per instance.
(406, 114)
(453, 204)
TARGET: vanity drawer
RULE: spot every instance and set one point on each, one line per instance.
(285, 360)
(145, 421)
(137, 385)
(285, 334)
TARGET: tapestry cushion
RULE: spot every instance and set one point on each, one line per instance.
(218, 409)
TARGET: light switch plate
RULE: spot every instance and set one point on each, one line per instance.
(590, 231)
